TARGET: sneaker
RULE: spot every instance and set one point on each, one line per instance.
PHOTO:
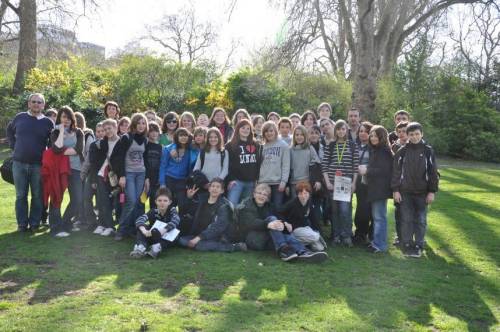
(313, 257)
(408, 250)
(155, 250)
(35, 229)
(138, 252)
(107, 231)
(62, 234)
(98, 230)
(286, 253)
(416, 252)
(374, 250)
(118, 236)
(240, 246)
(396, 242)
(347, 241)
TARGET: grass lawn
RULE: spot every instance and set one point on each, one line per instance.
(86, 282)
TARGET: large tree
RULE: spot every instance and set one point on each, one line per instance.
(360, 39)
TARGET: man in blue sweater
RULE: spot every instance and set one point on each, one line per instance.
(28, 136)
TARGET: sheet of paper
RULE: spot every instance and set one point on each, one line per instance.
(172, 235)
(342, 189)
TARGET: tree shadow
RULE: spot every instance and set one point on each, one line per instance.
(269, 289)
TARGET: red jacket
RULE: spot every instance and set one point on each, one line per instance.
(55, 172)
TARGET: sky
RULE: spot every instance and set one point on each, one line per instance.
(117, 22)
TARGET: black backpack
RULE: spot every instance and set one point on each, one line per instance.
(6, 171)
(202, 158)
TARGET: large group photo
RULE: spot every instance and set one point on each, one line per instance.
(147, 192)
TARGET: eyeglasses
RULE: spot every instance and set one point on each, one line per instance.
(39, 102)
(171, 121)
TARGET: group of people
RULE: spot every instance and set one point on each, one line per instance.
(220, 184)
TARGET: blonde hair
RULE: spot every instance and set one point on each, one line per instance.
(189, 115)
(304, 133)
(269, 125)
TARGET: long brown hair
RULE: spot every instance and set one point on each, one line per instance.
(169, 117)
(68, 111)
(382, 135)
(220, 143)
(212, 116)
(135, 120)
(236, 136)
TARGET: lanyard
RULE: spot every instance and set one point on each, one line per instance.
(340, 156)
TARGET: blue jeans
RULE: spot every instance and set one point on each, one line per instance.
(75, 189)
(281, 239)
(239, 191)
(56, 222)
(133, 189)
(205, 245)
(277, 197)
(413, 219)
(341, 219)
(28, 176)
(379, 216)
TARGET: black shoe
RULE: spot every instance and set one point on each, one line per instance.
(23, 229)
(396, 242)
(416, 252)
(347, 241)
(118, 236)
(313, 257)
(286, 253)
(374, 250)
(35, 229)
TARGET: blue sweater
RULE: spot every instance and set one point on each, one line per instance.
(29, 137)
(177, 169)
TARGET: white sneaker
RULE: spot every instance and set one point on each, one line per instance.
(138, 252)
(107, 231)
(155, 250)
(99, 230)
(62, 234)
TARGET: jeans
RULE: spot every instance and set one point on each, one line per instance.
(281, 239)
(413, 219)
(341, 219)
(56, 222)
(133, 188)
(178, 189)
(89, 216)
(239, 191)
(277, 197)
(379, 214)
(105, 203)
(149, 241)
(204, 245)
(363, 216)
(75, 189)
(28, 176)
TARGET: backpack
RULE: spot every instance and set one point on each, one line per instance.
(202, 158)
(6, 171)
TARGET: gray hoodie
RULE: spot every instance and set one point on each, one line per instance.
(275, 167)
(301, 159)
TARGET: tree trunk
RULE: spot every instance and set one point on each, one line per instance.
(27, 54)
(364, 85)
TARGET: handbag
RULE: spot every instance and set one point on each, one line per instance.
(6, 171)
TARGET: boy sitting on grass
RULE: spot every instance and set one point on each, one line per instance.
(414, 183)
(146, 236)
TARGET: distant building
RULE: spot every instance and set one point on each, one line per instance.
(57, 43)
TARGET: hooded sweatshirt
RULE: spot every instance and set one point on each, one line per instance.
(275, 167)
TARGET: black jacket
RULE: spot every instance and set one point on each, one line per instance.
(218, 223)
(415, 169)
(79, 143)
(379, 174)
(298, 215)
(251, 217)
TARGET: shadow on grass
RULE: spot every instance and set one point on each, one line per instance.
(375, 289)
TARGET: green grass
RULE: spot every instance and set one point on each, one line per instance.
(89, 283)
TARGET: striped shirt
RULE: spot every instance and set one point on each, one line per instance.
(334, 160)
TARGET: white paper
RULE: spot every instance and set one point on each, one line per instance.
(172, 235)
(342, 189)
(168, 236)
